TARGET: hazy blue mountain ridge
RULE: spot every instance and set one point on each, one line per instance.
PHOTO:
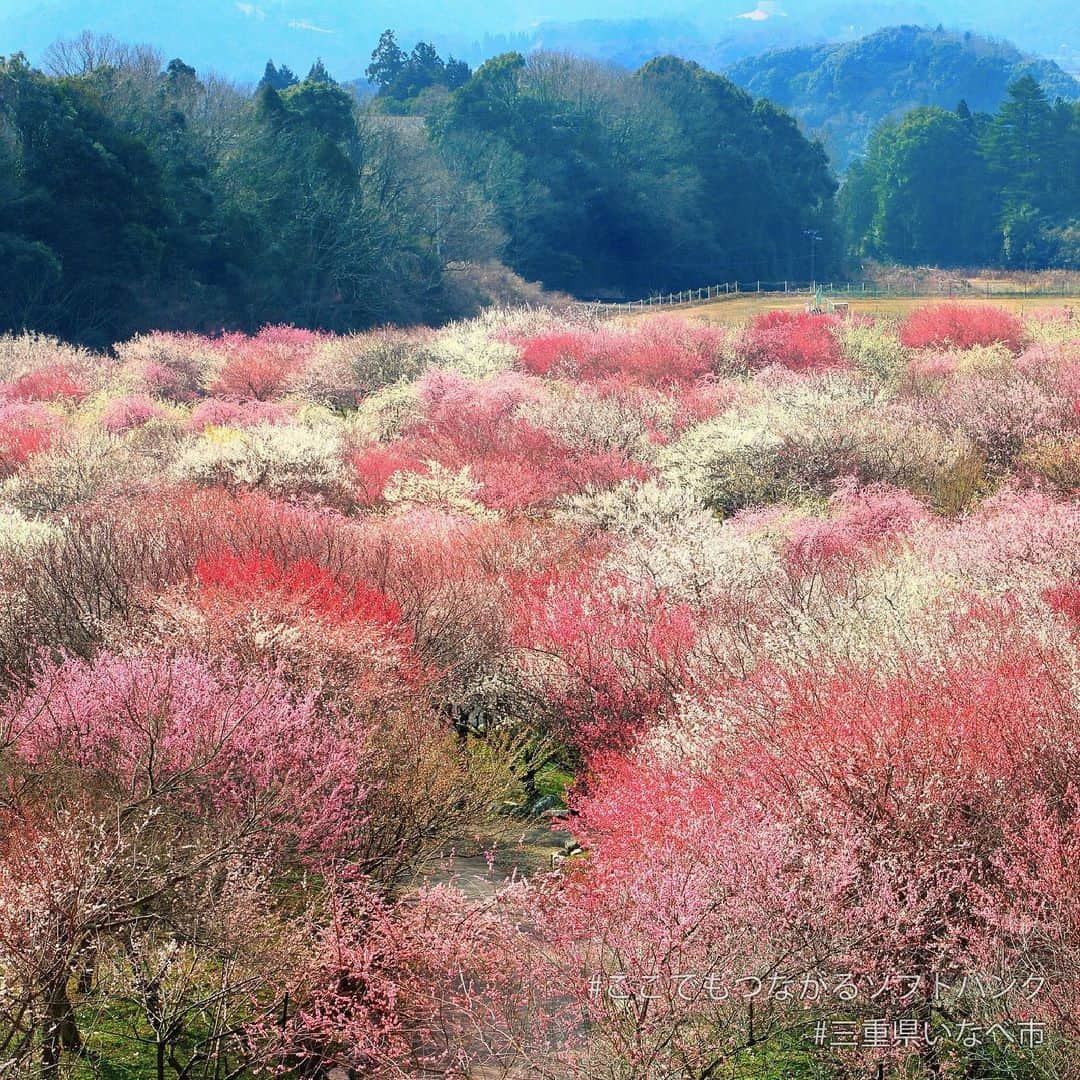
(841, 91)
(235, 37)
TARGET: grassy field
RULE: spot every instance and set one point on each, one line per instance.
(746, 305)
(904, 291)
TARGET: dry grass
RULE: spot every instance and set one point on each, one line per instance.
(746, 306)
(933, 279)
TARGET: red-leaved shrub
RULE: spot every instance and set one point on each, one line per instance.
(261, 367)
(374, 465)
(25, 430)
(658, 352)
(609, 655)
(256, 577)
(516, 464)
(961, 326)
(53, 383)
(1065, 599)
(797, 340)
(848, 818)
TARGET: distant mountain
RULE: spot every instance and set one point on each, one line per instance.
(841, 91)
(235, 37)
(714, 37)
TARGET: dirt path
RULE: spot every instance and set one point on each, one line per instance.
(492, 860)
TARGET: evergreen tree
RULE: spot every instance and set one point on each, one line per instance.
(456, 73)
(963, 188)
(277, 78)
(935, 208)
(616, 185)
(1018, 144)
(180, 76)
(388, 61)
(318, 73)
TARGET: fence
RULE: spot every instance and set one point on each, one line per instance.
(837, 290)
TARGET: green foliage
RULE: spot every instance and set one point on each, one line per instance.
(138, 194)
(554, 781)
(615, 184)
(387, 61)
(133, 196)
(321, 106)
(89, 200)
(953, 189)
(402, 77)
(277, 78)
(921, 220)
(841, 91)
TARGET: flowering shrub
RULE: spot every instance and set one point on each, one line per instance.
(216, 412)
(1051, 325)
(287, 461)
(622, 653)
(778, 623)
(475, 428)
(345, 369)
(23, 354)
(660, 353)
(374, 466)
(125, 413)
(1057, 461)
(174, 730)
(477, 348)
(861, 522)
(1003, 414)
(961, 326)
(872, 348)
(436, 486)
(54, 383)
(393, 989)
(632, 420)
(255, 368)
(1065, 599)
(386, 413)
(20, 534)
(544, 355)
(252, 577)
(799, 341)
(25, 430)
(170, 366)
(885, 797)
(807, 435)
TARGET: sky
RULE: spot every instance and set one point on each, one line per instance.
(236, 37)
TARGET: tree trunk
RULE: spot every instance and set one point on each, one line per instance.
(61, 1031)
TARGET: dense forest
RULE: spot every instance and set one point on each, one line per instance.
(951, 188)
(138, 194)
(839, 92)
(669, 175)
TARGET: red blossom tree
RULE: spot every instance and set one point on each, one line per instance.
(797, 340)
(961, 326)
(56, 382)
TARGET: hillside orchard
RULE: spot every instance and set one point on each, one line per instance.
(777, 626)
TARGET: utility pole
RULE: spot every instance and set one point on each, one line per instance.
(814, 237)
(438, 229)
